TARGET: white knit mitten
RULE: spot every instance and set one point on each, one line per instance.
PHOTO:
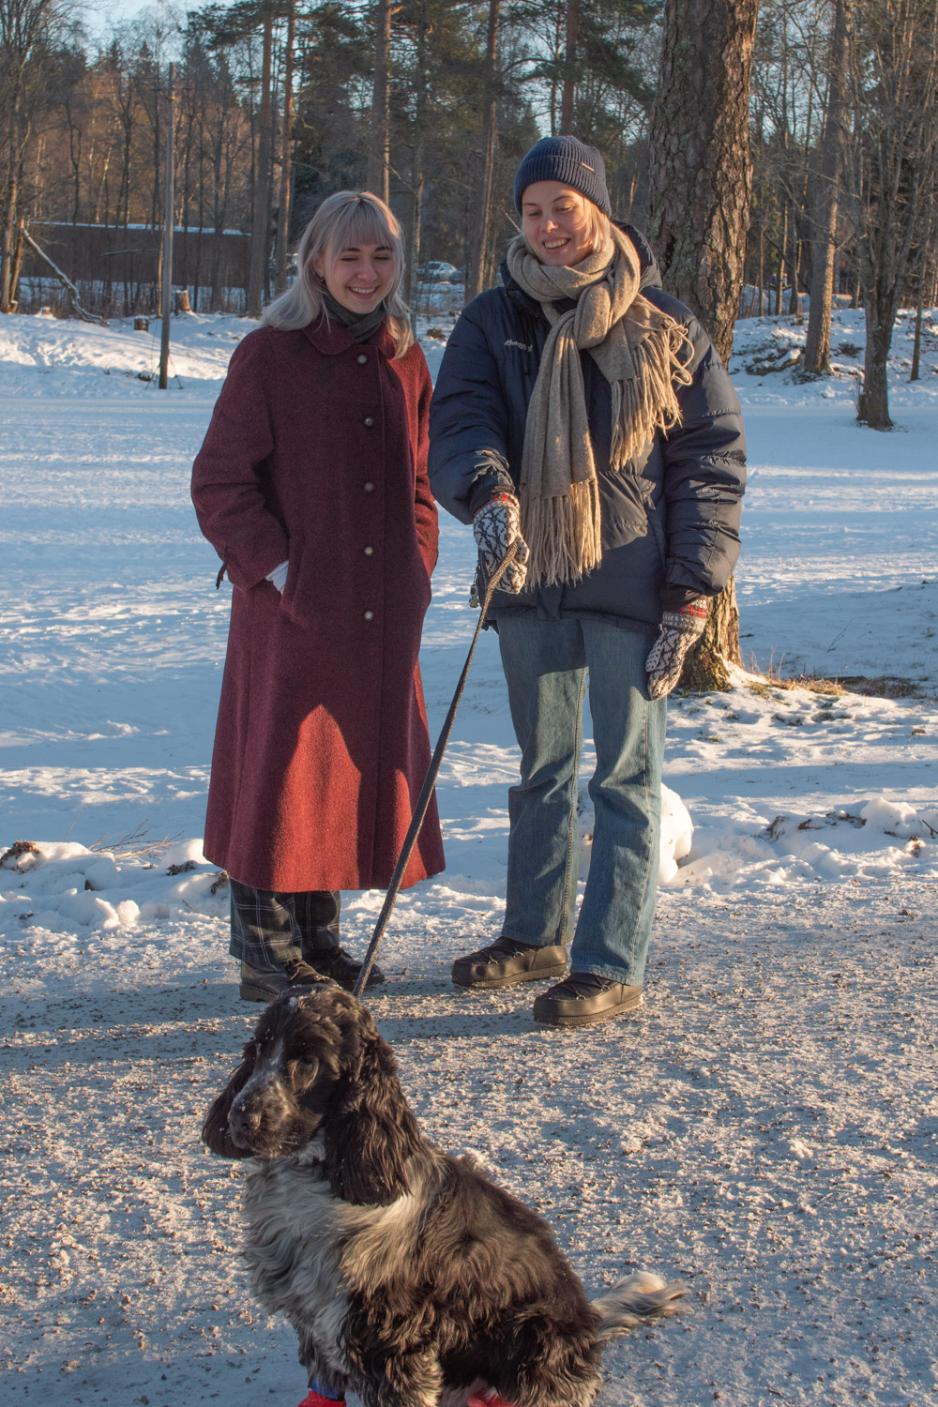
(496, 528)
(679, 631)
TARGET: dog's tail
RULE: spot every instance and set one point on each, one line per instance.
(634, 1301)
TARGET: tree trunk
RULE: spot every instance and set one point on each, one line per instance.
(8, 240)
(286, 156)
(418, 161)
(896, 100)
(794, 264)
(817, 351)
(479, 248)
(873, 403)
(379, 155)
(700, 164)
(569, 67)
(705, 670)
(700, 190)
(780, 265)
(916, 368)
(260, 224)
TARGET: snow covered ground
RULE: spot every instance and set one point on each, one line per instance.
(765, 1129)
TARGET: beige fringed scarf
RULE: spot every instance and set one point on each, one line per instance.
(637, 348)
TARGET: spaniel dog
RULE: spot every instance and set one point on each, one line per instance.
(409, 1276)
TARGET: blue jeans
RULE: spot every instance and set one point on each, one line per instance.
(547, 666)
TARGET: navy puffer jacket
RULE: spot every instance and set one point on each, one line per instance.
(670, 521)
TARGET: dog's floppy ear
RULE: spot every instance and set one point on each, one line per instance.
(215, 1133)
(370, 1134)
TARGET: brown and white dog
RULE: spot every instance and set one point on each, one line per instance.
(409, 1276)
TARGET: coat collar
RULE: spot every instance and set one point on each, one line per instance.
(331, 338)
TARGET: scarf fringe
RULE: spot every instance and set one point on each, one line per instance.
(648, 402)
(615, 323)
(564, 535)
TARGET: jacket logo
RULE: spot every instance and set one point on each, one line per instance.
(522, 346)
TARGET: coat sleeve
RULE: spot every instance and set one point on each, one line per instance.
(468, 429)
(425, 514)
(704, 478)
(227, 484)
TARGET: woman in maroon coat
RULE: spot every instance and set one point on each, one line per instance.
(312, 487)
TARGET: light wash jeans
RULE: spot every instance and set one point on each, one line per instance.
(547, 665)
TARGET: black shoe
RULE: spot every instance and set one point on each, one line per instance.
(507, 961)
(259, 986)
(584, 999)
(342, 968)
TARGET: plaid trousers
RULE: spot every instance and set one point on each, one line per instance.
(268, 929)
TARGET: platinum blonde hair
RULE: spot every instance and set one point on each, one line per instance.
(344, 219)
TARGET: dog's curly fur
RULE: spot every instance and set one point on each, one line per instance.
(408, 1275)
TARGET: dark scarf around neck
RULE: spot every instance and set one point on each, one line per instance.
(360, 326)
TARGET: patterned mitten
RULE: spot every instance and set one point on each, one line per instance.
(496, 527)
(679, 631)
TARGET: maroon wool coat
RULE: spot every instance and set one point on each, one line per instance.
(316, 455)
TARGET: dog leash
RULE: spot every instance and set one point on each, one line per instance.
(426, 791)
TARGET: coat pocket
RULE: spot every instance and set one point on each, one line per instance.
(291, 598)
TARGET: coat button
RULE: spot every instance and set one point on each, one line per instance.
(361, 359)
(369, 420)
(368, 486)
(368, 551)
(368, 615)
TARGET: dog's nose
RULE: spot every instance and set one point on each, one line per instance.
(243, 1122)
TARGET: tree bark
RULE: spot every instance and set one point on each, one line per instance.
(479, 249)
(700, 189)
(706, 666)
(286, 155)
(873, 402)
(894, 155)
(700, 163)
(260, 224)
(817, 351)
(568, 95)
(379, 155)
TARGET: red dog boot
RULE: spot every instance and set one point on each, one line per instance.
(477, 1400)
(316, 1399)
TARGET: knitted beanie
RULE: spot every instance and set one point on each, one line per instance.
(570, 161)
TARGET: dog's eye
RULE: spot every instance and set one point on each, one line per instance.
(303, 1069)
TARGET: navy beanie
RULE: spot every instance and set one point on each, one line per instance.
(570, 161)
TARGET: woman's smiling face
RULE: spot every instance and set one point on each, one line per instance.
(358, 276)
(557, 223)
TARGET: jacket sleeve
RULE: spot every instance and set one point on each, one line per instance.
(425, 514)
(468, 430)
(227, 484)
(704, 478)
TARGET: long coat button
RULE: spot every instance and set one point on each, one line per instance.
(368, 551)
(369, 420)
(368, 487)
(368, 615)
(361, 359)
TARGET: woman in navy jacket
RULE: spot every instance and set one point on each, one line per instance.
(582, 415)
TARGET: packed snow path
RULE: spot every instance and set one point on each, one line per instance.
(764, 1129)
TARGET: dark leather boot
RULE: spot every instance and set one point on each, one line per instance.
(507, 961)
(585, 999)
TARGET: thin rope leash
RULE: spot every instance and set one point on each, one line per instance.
(426, 791)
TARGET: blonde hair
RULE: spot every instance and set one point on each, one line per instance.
(346, 218)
